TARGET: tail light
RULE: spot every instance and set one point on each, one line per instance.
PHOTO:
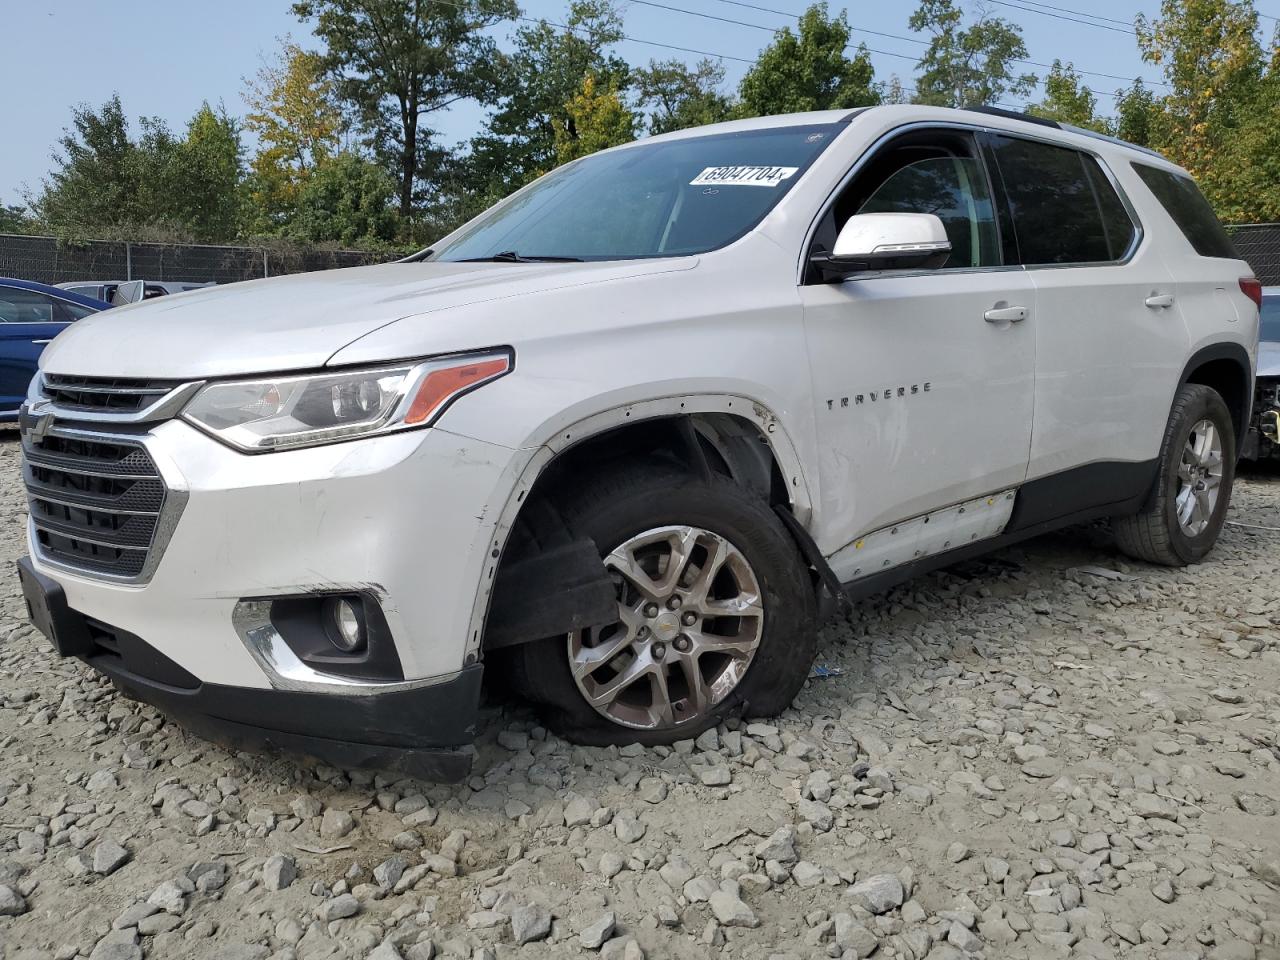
(1251, 287)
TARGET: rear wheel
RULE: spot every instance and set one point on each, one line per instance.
(716, 613)
(1185, 515)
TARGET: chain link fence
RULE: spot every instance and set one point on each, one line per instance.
(1259, 244)
(48, 260)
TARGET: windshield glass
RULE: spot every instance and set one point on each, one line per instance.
(1270, 329)
(662, 199)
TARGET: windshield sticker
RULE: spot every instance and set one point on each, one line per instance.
(743, 176)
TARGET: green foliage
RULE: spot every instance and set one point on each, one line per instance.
(679, 96)
(1136, 112)
(1068, 100)
(14, 219)
(297, 120)
(541, 78)
(397, 62)
(347, 200)
(104, 181)
(596, 118)
(1218, 118)
(968, 66)
(809, 70)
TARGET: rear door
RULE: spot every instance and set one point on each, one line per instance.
(28, 320)
(1109, 345)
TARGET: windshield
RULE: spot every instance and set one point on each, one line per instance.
(1270, 329)
(664, 199)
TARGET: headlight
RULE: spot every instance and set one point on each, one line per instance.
(273, 413)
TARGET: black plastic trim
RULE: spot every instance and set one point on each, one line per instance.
(1074, 496)
(302, 623)
(1227, 351)
(1014, 115)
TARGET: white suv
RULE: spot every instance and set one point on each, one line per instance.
(623, 438)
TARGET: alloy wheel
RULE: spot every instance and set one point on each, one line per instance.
(1199, 478)
(690, 620)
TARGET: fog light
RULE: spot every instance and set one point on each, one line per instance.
(346, 624)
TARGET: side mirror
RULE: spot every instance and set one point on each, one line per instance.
(885, 241)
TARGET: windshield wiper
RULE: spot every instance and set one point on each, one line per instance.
(510, 256)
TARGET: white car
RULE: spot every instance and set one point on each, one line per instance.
(623, 438)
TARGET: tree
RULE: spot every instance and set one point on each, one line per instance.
(95, 177)
(14, 219)
(348, 200)
(204, 172)
(107, 183)
(596, 119)
(679, 96)
(543, 75)
(1136, 109)
(808, 70)
(968, 66)
(1068, 100)
(1217, 115)
(294, 113)
(398, 62)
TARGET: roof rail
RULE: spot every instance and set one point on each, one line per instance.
(1085, 132)
(1015, 115)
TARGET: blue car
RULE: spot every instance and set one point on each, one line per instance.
(32, 314)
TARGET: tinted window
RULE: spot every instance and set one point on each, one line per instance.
(1064, 209)
(1270, 329)
(663, 199)
(1184, 202)
(955, 190)
(24, 306)
(94, 290)
(69, 312)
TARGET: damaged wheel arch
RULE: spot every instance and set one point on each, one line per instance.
(539, 582)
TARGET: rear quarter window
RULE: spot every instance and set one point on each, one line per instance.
(1188, 208)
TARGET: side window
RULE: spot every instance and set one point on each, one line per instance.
(24, 306)
(1065, 210)
(69, 312)
(926, 171)
(1188, 208)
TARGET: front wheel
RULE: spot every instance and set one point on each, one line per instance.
(716, 613)
(1182, 521)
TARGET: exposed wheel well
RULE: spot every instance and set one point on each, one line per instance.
(722, 443)
(1225, 375)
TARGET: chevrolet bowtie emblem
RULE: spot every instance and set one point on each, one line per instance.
(39, 428)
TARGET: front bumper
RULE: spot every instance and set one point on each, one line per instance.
(416, 731)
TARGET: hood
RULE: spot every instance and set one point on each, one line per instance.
(1269, 358)
(300, 321)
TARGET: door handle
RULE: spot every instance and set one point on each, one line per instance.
(1005, 315)
(48, 340)
(1159, 301)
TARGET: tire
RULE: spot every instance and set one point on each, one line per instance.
(630, 507)
(1156, 534)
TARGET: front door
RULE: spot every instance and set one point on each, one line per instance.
(923, 381)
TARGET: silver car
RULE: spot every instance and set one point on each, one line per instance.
(1263, 442)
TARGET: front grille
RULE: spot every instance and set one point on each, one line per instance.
(103, 394)
(96, 501)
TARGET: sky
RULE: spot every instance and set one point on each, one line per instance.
(164, 57)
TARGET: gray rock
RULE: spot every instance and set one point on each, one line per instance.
(717, 776)
(117, 945)
(385, 951)
(852, 935)
(305, 807)
(879, 894)
(134, 915)
(103, 781)
(338, 908)
(279, 872)
(336, 824)
(389, 872)
(169, 897)
(595, 934)
(108, 857)
(780, 846)
(209, 875)
(627, 828)
(731, 911)
(11, 902)
(529, 922)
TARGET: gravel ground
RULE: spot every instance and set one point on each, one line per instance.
(1012, 758)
